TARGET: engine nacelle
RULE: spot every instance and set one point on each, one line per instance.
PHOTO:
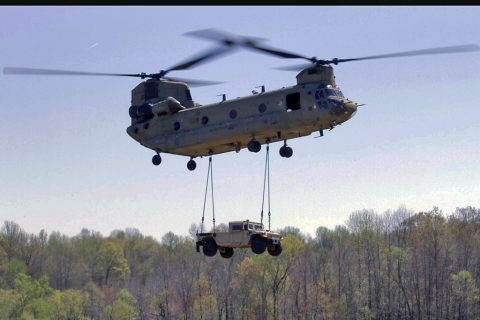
(168, 106)
(138, 112)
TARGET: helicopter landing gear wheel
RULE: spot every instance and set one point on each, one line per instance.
(286, 151)
(156, 159)
(254, 146)
(191, 165)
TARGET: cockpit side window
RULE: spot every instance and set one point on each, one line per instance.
(319, 94)
(236, 227)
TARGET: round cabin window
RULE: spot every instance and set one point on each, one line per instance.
(204, 120)
(233, 114)
(262, 108)
(176, 125)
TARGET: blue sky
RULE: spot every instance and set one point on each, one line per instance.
(67, 162)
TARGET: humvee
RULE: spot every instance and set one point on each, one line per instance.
(240, 234)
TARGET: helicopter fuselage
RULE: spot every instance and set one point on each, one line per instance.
(165, 118)
(229, 125)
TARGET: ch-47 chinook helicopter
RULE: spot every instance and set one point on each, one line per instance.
(165, 118)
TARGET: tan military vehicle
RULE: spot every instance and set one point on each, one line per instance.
(240, 234)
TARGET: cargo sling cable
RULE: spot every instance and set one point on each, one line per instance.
(266, 186)
(266, 179)
(240, 234)
(209, 177)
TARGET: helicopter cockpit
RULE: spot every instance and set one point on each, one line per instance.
(333, 92)
(328, 91)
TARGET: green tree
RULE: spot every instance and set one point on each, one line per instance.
(465, 293)
(10, 304)
(113, 262)
(123, 308)
(14, 239)
(30, 289)
(9, 270)
(60, 261)
(32, 294)
(87, 247)
(68, 305)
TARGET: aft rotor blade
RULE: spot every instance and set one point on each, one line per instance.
(194, 82)
(297, 67)
(439, 50)
(221, 36)
(35, 71)
(277, 52)
(200, 58)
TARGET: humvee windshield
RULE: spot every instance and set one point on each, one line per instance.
(252, 226)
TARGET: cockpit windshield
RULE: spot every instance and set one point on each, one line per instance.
(333, 92)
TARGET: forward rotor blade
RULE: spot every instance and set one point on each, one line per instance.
(194, 82)
(440, 50)
(35, 71)
(431, 51)
(200, 58)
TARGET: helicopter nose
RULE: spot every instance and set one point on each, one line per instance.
(351, 107)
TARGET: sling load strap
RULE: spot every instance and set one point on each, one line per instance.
(209, 177)
(266, 181)
(211, 186)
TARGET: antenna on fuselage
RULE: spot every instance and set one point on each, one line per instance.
(223, 95)
(263, 88)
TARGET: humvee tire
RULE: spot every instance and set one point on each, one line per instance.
(274, 249)
(226, 252)
(259, 245)
(210, 248)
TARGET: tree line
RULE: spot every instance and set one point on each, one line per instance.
(397, 264)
